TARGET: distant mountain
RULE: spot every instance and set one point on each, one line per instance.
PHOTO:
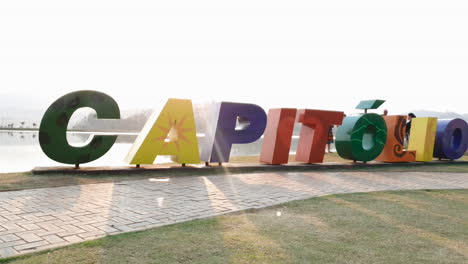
(440, 115)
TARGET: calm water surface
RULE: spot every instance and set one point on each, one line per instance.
(20, 151)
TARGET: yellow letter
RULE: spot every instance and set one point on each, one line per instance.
(172, 132)
(422, 136)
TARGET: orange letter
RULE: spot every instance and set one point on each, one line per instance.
(393, 150)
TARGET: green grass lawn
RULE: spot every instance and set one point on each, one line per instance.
(26, 180)
(382, 227)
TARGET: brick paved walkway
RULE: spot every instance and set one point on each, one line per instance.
(32, 220)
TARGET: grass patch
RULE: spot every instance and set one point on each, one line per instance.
(26, 180)
(381, 227)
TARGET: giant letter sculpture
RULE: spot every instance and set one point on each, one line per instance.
(314, 133)
(422, 137)
(393, 151)
(361, 137)
(278, 135)
(53, 128)
(451, 139)
(171, 132)
(226, 133)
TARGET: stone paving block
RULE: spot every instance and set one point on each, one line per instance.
(30, 227)
(47, 217)
(64, 218)
(52, 239)
(10, 226)
(123, 228)
(30, 246)
(107, 228)
(137, 225)
(12, 217)
(9, 238)
(48, 232)
(29, 237)
(7, 252)
(70, 233)
(50, 225)
(12, 243)
(73, 239)
(94, 233)
(88, 227)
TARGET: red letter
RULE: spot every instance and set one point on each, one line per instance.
(277, 137)
(314, 133)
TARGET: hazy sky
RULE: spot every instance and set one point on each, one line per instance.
(304, 54)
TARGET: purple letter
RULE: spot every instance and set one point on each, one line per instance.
(451, 139)
(252, 119)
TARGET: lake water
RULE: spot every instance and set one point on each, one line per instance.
(20, 151)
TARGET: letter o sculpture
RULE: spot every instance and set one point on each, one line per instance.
(451, 139)
(361, 137)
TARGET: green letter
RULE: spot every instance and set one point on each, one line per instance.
(53, 129)
(361, 137)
